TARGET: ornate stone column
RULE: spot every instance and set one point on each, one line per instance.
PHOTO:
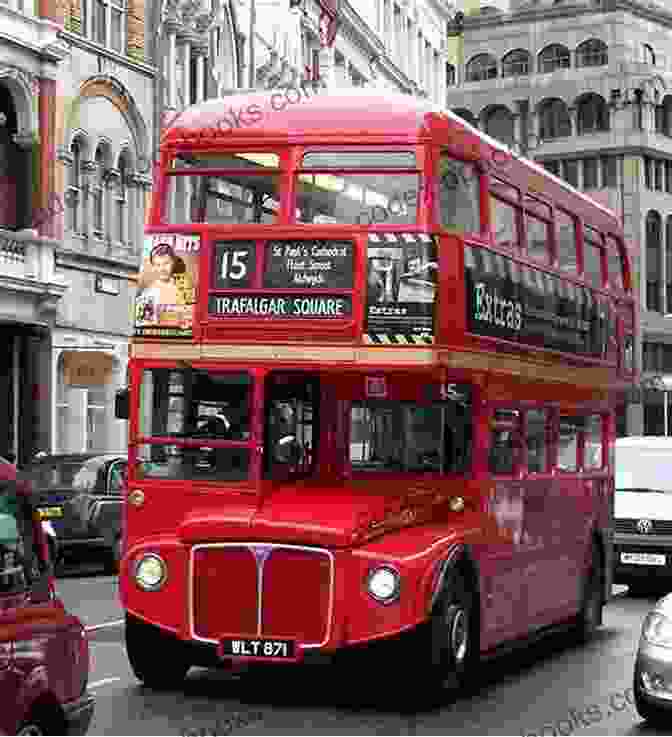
(171, 25)
(89, 169)
(200, 50)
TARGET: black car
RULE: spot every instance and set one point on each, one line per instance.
(81, 495)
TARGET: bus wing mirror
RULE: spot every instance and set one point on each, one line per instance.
(121, 404)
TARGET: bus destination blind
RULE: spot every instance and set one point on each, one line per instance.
(300, 274)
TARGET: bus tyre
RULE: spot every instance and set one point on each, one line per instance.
(450, 637)
(157, 659)
(590, 615)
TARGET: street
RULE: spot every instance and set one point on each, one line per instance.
(553, 689)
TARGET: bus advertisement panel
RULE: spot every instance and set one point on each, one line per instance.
(167, 286)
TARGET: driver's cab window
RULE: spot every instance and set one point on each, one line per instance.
(459, 195)
(291, 425)
(19, 554)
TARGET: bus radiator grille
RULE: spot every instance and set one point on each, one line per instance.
(267, 590)
(224, 591)
(297, 595)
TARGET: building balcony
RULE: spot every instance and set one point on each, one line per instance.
(27, 278)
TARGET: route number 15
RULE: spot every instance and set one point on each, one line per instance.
(233, 265)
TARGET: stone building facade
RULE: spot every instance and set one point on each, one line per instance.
(585, 88)
(30, 288)
(104, 110)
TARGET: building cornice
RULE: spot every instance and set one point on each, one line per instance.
(86, 44)
(357, 30)
(98, 264)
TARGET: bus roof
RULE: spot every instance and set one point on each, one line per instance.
(300, 113)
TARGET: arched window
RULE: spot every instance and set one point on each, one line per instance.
(653, 260)
(481, 67)
(592, 114)
(554, 57)
(516, 63)
(592, 53)
(451, 76)
(99, 193)
(122, 200)
(554, 120)
(648, 54)
(74, 193)
(499, 124)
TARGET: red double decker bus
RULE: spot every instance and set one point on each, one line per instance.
(374, 377)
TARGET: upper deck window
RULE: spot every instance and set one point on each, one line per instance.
(566, 236)
(459, 195)
(592, 256)
(615, 266)
(359, 160)
(227, 188)
(357, 199)
(225, 160)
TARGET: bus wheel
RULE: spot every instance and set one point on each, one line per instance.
(157, 660)
(590, 615)
(450, 638)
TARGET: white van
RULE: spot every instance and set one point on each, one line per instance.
(643, 512)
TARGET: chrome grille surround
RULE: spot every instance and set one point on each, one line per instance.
(261, 553)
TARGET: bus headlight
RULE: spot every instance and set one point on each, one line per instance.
(151, 572)
(384, 584)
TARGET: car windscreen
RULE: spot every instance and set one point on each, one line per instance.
(63, 475)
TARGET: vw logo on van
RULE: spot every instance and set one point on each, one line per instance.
(644, 526)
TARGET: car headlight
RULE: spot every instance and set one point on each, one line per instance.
(151, 572)
(384, 584)
(657, 629)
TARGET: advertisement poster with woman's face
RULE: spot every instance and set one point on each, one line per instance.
(167, 286)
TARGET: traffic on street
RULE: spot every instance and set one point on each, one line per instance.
(555, 688)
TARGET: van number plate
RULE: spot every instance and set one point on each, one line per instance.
(643, 559)
(257, 648)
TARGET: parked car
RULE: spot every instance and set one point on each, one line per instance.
(653, 666)
(52, 540)
(44, 652)
(643, 513)
(80, 495)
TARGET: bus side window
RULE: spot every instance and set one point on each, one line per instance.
(459, 196)
(566, 236)
(592, 448)
(568, 443)
(536, 439)
(504, 223)
(504, 441)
